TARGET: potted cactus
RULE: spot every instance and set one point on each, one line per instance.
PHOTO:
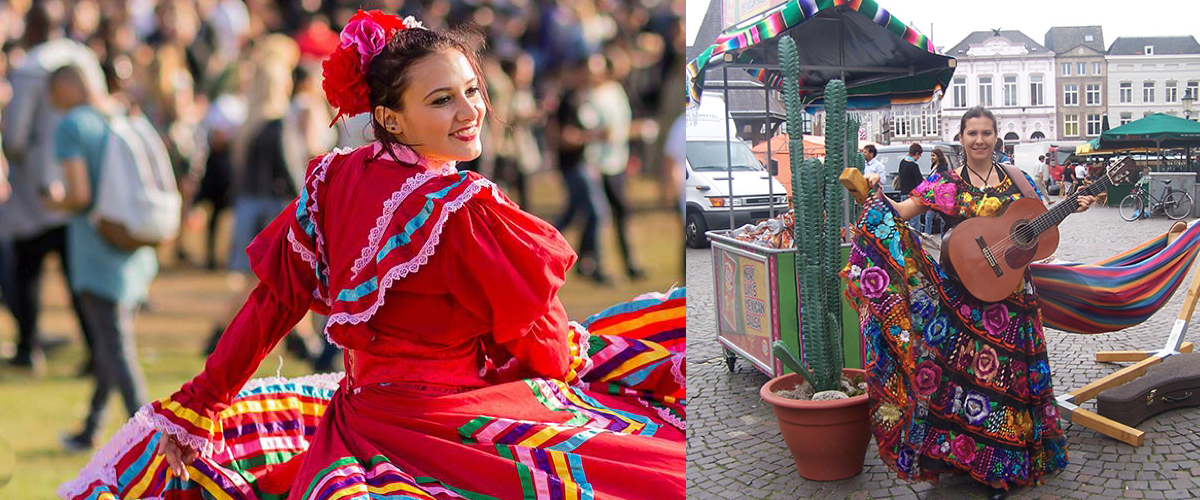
(828, 435)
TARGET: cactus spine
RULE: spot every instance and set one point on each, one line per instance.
(818, 203)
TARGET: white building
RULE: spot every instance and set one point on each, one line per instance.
(1148, 75)
(1009, 74)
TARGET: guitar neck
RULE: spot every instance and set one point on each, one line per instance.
(1067, 206)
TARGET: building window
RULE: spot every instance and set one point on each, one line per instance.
(1147, 91)
(1081, 69)
(1089, 38)
(1066, 69)
(1035, 90)
(1093, 94)
(1010, 90)
(1193, 88)
(932, 120)
(1093, 125)
(985, 91)
(902, 125)
(960, 92)
(1097, 68)
(1146, 113)
(1071, 95)
(1149, 50)
(1126, 117)
(1071, 125)
(1126, 91)
(1172, 91)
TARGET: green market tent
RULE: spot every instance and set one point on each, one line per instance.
(881, 59)
(1157, 131)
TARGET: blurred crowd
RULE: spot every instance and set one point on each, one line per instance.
(590, 88)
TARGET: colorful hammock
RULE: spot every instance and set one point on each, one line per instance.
(1117, 293)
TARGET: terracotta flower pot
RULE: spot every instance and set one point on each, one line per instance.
(828, 439)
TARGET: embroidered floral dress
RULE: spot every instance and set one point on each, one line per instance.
(464, 378)
(954, 383)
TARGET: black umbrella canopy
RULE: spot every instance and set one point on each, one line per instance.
(882, 60)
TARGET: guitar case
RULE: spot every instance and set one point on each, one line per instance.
(1174, 383)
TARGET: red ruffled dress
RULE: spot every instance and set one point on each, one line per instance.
(464, 377)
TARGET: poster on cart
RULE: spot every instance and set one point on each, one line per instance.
(745, 304)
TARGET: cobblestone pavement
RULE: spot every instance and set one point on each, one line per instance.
(735, 450)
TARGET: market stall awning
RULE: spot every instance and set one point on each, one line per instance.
(882, 60)
(1158, 131)
(1092, 148)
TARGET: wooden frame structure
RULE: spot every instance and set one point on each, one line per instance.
(1068, 404)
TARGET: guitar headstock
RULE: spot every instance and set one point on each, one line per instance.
(1121, 170)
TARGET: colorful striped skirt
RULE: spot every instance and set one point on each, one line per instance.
(616, 433)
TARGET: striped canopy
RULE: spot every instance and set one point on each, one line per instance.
(1117, 293)
(884, 61)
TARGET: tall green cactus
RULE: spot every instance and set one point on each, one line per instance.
(818, 203)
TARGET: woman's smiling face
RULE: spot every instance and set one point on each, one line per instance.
(442, 108)
(978, 139)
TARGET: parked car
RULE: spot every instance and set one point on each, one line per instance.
(710, 175)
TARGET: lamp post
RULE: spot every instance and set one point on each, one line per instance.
(1188, 100)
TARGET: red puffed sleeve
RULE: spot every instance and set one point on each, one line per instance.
(507, 268)
(286, 260)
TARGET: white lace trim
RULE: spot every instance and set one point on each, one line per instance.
(389, 210)
(588, 364)
(677, 370)
(412, 265)
(319, 237)
(308, 257)
(102, 466)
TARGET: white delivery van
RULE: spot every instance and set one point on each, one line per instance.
(709, 172)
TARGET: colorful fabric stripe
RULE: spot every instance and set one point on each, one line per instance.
(1119, 292)
(791, 15)
(267, 429)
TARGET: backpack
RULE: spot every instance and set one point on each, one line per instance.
(137, 201)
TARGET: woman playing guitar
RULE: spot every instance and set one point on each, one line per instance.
(957, 384)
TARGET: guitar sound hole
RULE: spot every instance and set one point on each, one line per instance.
(1022, 235)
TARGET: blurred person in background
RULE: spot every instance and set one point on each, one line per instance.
(263, 178)
(108, 282)
(518, 154)
(576, 125)
(609, 102)
(30, 122)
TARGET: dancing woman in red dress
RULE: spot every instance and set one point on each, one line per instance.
(464, 378)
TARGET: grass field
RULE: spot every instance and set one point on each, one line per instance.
(185, 302)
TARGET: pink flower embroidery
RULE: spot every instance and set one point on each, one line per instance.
(367, 38)
(995, 319)
(874, 282)
(964, 448)
(986, 363)
(927, 378)
(943, 195)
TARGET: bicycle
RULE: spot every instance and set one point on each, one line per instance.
(1139, 204)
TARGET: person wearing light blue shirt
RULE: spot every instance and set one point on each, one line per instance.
(109, 282)
(873, 166)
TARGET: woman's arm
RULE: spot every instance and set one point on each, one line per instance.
(74, 193)
(906, 209)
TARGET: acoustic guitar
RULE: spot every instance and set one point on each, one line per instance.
(989, 254)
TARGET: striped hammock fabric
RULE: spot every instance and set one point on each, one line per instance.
(790, 16)
(1116, 293)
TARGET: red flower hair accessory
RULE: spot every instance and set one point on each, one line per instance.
(345, 71)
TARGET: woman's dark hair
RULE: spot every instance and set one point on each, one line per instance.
(978, 112)
(388, 75)
(939, 157)
(915, 149)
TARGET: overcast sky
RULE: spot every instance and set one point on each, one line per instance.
(948, 22)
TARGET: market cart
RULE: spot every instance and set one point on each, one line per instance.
(757, 304)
